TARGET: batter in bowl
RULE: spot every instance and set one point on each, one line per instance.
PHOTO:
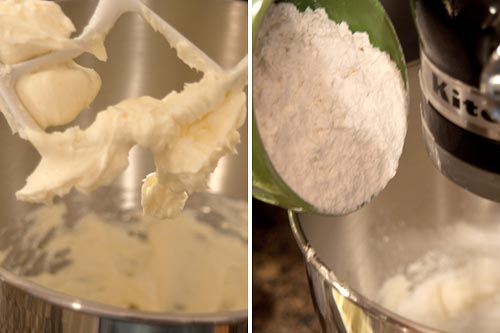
(194, 263)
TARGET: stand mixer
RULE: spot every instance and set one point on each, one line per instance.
(460, 81)
(415, 216)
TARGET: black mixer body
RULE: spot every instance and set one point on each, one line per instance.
(460, 81)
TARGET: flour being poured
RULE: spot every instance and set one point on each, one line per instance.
(330, 108)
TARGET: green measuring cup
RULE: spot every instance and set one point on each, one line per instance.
(361, 15)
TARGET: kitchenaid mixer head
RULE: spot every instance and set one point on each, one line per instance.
(460, 76)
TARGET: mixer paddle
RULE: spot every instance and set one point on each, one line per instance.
(105, 16)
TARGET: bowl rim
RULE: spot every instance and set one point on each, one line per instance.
(343, 288)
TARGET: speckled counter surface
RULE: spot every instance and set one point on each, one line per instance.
(281, 298)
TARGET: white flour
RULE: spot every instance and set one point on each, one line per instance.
(330, 107)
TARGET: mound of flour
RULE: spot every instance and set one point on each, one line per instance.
(457, 290)
(330, 108)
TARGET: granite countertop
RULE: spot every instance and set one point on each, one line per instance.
(281, 298)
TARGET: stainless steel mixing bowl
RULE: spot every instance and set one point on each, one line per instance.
(140, 63)
(349, 258)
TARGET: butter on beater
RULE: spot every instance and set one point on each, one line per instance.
(29, 28)
(187, 132)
